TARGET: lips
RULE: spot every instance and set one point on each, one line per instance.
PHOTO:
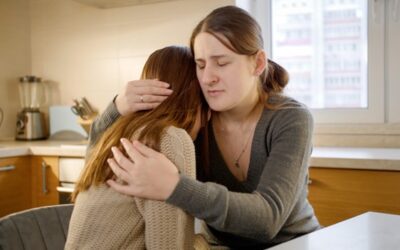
(214, 93)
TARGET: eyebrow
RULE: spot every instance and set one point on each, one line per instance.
(212, 57)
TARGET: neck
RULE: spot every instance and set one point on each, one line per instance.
(244, 114)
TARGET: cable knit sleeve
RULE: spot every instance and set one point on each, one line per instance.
(166, 226)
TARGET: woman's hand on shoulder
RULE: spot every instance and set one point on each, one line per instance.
(146, 173)
(141, 95)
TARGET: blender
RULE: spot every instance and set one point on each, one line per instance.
(30, 121)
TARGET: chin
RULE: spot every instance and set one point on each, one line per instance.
(215, 105)
(218, 107)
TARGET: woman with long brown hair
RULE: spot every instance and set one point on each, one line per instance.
(105, 219)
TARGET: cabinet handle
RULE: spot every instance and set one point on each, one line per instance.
(309, 182)
(7, 168)
(44, 178)
(65, 189)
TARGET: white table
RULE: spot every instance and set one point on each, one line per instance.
(368, 231)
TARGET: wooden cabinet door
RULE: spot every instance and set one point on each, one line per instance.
(15, 185)
(339, 194)
(44, 181)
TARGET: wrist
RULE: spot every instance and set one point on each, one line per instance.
(173, 183)
(119, 105)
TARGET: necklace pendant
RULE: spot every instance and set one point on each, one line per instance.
(237, 164)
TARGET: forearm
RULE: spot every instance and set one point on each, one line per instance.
(226, 211)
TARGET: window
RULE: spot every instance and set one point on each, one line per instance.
(323, 44)
(334, 52)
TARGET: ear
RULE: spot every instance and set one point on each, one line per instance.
(261, 62)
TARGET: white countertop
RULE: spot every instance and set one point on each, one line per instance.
(12, 148)
(372, 231)
(356, 158)
(331, 157)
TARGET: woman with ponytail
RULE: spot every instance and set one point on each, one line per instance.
(251, 188)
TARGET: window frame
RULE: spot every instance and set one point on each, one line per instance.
(376, 110)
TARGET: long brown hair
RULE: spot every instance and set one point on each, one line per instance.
(174, 65)
(239, 32)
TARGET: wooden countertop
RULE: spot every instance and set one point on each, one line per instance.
(331, 157)
(373, 231)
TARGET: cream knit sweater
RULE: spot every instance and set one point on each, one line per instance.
(105, 219)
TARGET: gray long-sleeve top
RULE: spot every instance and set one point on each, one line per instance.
(271, 206)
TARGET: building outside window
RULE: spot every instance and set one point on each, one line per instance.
(323, 44)
(338, 54)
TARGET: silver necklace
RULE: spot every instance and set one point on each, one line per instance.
(237, 165)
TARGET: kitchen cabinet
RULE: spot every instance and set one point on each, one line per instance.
(339, 194)
(44, 180)
(15, 188)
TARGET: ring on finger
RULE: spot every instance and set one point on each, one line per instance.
(141, 99)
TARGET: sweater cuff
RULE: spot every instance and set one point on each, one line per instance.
(188, 195)
(111, 112)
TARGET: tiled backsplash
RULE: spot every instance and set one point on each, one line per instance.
(83, 50)
(92, 52)
(14, 58)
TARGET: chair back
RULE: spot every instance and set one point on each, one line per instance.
(37, 228)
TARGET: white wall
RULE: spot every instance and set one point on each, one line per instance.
(14, 58)
(92, 52)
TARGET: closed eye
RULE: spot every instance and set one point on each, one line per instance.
(200, 66)
(222, 64)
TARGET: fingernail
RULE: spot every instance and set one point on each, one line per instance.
(113, 149)
(125, 141)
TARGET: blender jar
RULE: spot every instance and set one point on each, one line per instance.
(32, 92)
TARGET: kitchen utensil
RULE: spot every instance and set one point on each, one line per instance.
(87, 105)
(78, 110)
(83, 109)
(30, 121)
(86, 113)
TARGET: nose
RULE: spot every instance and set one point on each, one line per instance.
(208, 76)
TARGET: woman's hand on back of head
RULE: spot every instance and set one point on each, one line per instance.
(146, 173)
(141, 95)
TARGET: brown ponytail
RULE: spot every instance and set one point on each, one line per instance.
(275, 78)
